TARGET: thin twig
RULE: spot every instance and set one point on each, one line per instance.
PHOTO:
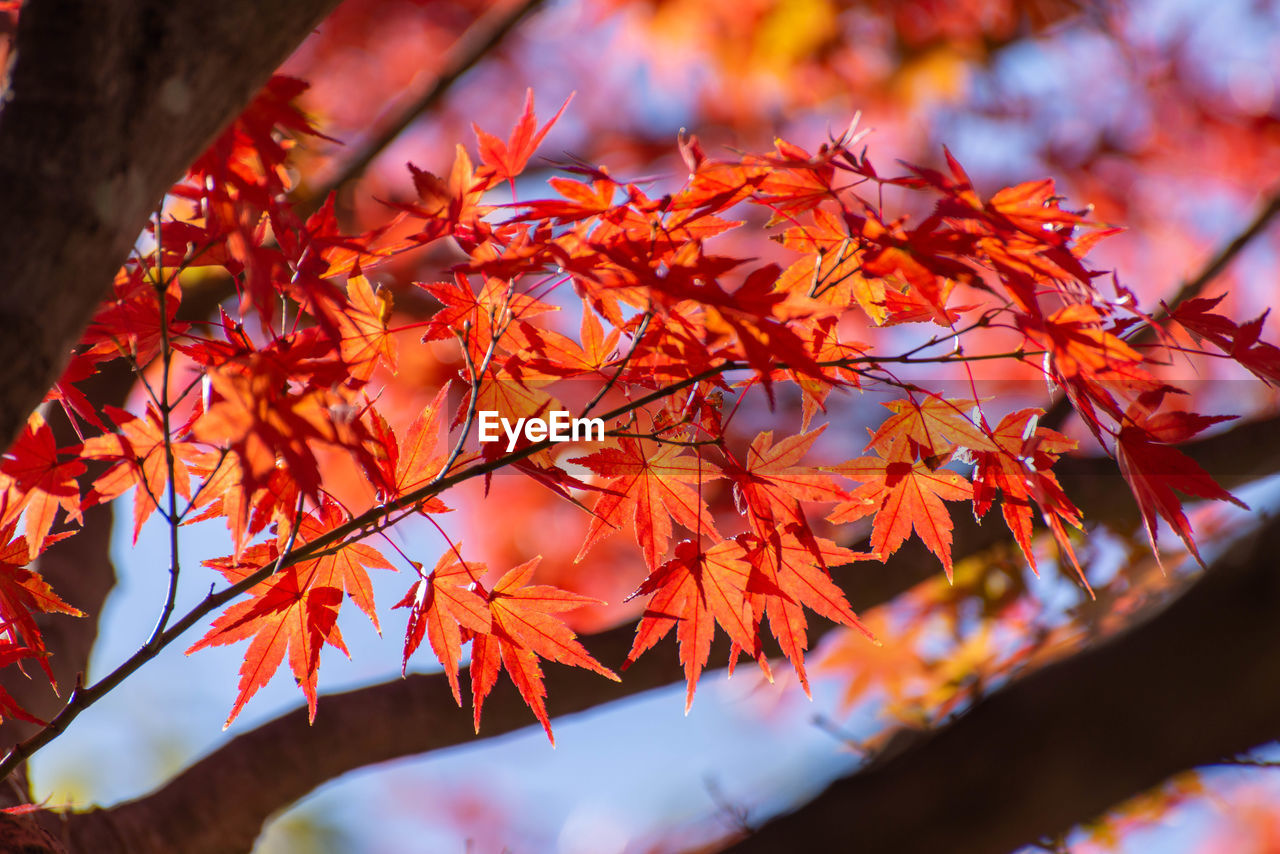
(622, 365)
(1246, 762)
(1219, 262)
(484, 35)
(1191, 288)
(166, 356)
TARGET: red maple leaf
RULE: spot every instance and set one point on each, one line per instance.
(441, 605)
(294, 611)
(524, 630)
(1154, 469)
(40, 483)
(506, 160)
(24, 593)
(1020, 471)
(451, 206)
(1238, 340)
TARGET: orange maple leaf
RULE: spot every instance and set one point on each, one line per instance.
(362, 326)
(790, 574)
(523, 629)
(295, 610)
(771, 484)
(903, 496)
(649, 484)
(692, 592)
(930, 428)
(441, 605)
(137, 452)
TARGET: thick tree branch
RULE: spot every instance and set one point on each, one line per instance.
(286, 758)
(108, 103)
(1197, 682)
(1267, 211)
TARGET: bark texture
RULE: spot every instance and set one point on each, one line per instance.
(107, 104)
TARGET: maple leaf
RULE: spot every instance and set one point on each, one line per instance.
(513, 398)
(223, 494)
(294, 611)
(903, 496)
(924, 258)
(130, 324)
(137, 452)
(790, 574)
(770, 485)
(1154, 469)
(361, 324)
(1020, 470)
(649, 484)
(282, 616)
(556, 355)
(1238, 340)
(261, 419)
(478, 317)
(345, 568)
(795, 181)
(506, 160)
(441, 605)
(692, 592)
(416, 458)
(524, 630)
(831, 269)
(580, 201)
(22, 593)
(930, 428)
(1079, 344)
(41, 483)
(72, 399)
(450, 207)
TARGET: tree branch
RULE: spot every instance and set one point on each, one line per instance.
(107, 104)
(1268, 211)
(1213, 267)
(1196, 682)
(285, 758)
(481, 38)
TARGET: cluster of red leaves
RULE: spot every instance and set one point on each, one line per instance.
(670, 330)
